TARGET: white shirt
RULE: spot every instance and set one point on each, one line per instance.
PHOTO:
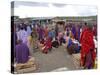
(22, 35)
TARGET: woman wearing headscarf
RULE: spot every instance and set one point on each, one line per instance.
(33, 39)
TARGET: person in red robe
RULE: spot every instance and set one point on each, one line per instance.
(87, 48)
(47, 45)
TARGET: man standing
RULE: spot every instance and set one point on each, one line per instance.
(22, 35)
(87, 47)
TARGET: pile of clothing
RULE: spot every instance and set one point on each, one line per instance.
(26, 67)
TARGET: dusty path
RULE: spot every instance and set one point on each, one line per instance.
(57, 58)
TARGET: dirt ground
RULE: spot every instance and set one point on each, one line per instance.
(56, 60)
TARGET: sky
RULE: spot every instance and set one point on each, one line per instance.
(41, 9)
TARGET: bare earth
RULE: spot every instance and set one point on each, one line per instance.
(57, 59)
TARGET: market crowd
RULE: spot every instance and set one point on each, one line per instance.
(76, 38)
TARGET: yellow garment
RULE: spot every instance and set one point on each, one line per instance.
(30, 40)
(71, 35)
(30, 44)
(95, 65)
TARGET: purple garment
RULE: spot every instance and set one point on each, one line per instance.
(22, 53)
(41, 33)
(67, 31)
(89, 61)
(77, 33)
(74, 31)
